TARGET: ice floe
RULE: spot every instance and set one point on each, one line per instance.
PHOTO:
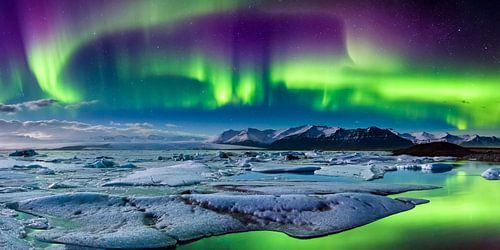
(491, 174)
(305, 187)
(106, 221)
(37, 223)
(188, 173)
(24, 153)
(271, 168)
(12, 233)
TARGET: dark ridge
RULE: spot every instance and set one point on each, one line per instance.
(84, 147)
(435, 149)
(372, 138)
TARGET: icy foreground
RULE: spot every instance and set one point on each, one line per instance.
(178, 175)
(154, 199)
(105, 221)
(491, 174)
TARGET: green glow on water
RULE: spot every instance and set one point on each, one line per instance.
(463, 214)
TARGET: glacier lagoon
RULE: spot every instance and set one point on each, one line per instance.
(461, 214)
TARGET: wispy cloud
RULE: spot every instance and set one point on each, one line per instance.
(74, 131)
(9, 108)
(36, 104)
(41, 103)
(30, 105)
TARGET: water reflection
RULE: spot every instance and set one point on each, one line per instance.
(461, 215)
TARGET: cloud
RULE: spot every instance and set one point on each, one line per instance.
(41, 103)
(30, 105)
(13, 131)
(144, 125)
(9, 108)
(81, 104)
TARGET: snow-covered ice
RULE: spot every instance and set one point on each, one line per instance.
(105, 221)
(188, 173)
(155, 199)
(284, 168)
(491, 174)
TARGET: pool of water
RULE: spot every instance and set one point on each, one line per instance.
(464, 214)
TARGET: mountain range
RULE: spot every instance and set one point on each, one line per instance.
(310, 137)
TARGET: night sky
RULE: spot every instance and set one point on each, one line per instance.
(210, 65)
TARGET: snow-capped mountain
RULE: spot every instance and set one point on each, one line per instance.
(481, 141)
(334, 138)
(315, 137)
(464, 140)
(418, 137)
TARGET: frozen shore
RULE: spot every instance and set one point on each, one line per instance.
(151, 199)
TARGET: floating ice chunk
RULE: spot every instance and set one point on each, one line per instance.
(36, 223)
(414, 201)
(300, 216)
(491, 174)
(12, 233)
(248, 161)
(283, 168)
(436, 167)
(4, 190)
(102, 163)
(24, 167)
(24, 153)
(183, 157)
(103, 157)
(60, 185)
(222, 155)
(188, 173)
(6, 212)
(96, 220)
(409, 167)
(45, 171)
(140, 160)
(363, 171)
(104, 221)
(128, 165)
(303, 187)
(311, 154)
(63, 160)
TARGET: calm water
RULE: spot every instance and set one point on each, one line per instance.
(464, 214)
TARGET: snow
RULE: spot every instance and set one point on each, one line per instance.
(491, 174)
(425, 137)
(268, 136)
(95, 220)
(105, 163)
(188, 173)
(147, 206)
(365, 171)
(307, 187)
(106, 221)
(283, 168)
(24, 153)
(437, 167)
(12, 233)
(45, 171)
(37, 223)
(62, 184)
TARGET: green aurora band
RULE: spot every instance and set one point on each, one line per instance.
(359, 80)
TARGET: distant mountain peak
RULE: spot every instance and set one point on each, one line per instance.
(316, 137)
(325, 137)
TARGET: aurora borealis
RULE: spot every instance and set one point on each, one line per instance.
(418, 64)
